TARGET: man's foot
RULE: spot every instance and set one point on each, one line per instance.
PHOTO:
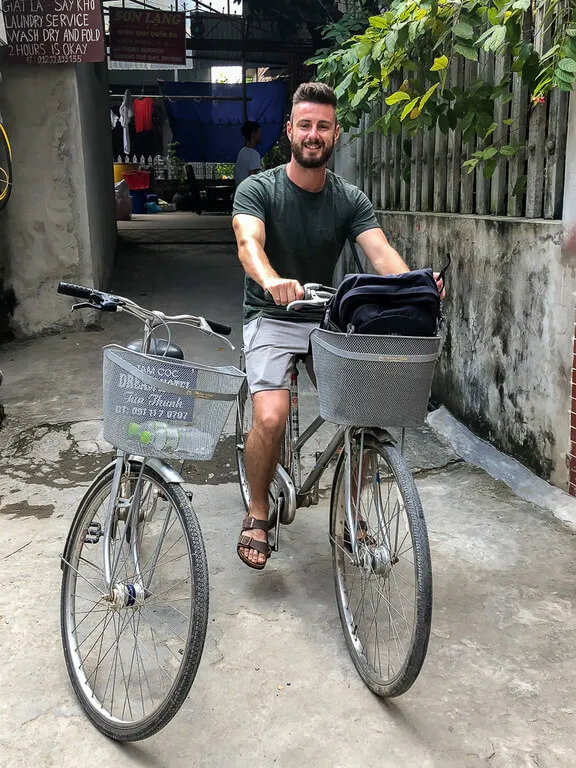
(253, 548)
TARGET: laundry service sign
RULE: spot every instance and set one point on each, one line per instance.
(54, 31)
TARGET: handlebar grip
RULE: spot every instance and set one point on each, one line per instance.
(78, 291)
(223, 330)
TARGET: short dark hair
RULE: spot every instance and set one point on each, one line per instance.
(316, 93)
(249, 129)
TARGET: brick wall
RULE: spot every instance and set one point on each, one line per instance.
(572, 474)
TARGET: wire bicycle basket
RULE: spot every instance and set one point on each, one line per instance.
(374, 381)
(165, 408)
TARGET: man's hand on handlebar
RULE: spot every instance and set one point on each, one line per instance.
(283, 291)
(440, 285)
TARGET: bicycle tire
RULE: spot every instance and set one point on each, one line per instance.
(5, 168)
(85, 683)
(391, 467)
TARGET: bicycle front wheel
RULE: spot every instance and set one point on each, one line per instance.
(243, 427)
(384, 586)
(132, 654)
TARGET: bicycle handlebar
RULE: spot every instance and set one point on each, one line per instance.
(315, 295)
(108, 302)
(78, 291)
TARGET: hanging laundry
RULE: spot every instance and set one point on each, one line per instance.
(126, 113)
(143, 114)
(113, 119)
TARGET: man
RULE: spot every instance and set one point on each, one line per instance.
(291, 224)
(248, 160)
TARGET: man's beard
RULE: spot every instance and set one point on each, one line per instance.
(311, 162)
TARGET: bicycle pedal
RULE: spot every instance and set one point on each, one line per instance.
(93, 533)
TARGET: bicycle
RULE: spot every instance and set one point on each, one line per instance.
(134, 594)
(5, 165)
(378, 536)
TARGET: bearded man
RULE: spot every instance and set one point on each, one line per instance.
(291, 224)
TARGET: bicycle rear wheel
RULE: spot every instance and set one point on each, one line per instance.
(384, 593)
(132, 659)
(5, 168)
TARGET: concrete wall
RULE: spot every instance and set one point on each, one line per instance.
(60, 221)
(94, 106)
(507, 357)
(508, 351)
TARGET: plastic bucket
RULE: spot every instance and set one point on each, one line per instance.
(137, 179)
(121, 168)
(138, 200)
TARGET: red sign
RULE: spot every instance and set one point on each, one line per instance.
(157, 37)
(54, 31)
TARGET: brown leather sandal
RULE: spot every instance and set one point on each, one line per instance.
(247, 542)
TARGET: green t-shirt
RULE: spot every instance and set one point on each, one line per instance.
(305, 232)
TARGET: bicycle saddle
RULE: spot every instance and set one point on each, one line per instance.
(159, 348)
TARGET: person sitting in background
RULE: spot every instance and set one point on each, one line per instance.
(248, 160)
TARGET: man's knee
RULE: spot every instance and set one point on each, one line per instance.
(270, 412)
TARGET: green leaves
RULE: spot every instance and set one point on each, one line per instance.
(464, 30)
(567, 65)
(408, 108)
(417, 42)
(360, 96)
(397, 97)
(439, 64)
(378, 22)
(342, 87)
(467, 51)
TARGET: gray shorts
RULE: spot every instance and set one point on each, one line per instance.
(269, 350)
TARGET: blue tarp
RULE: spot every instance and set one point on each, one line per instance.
(209, 131)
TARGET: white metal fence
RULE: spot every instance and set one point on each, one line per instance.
(165, 168)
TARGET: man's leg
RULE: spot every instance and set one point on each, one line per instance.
(261, 455)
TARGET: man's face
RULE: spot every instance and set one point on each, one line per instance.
(313, 132)
(257, 136)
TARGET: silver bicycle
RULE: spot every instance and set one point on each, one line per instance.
(134, 596)
(378, 536)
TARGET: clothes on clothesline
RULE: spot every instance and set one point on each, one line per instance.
(145, 143)
(143, 114)
(126, 113)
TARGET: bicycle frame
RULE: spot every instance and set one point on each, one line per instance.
(290, 476)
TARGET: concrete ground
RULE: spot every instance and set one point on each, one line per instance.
(276, 686)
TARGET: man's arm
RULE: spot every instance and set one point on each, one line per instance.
(384, 259)
(251, 238)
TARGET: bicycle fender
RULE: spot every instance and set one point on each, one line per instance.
(165, 471)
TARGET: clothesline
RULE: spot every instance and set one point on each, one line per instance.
(173, 98)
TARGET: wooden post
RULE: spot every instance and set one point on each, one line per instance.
(467, 180)
(502, 112)
(486, 73)
(537, 131)
(519, 116)
(454, 169)
(555, 150)
(377, 157)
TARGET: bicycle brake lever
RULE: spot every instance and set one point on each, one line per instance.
(83, 305)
